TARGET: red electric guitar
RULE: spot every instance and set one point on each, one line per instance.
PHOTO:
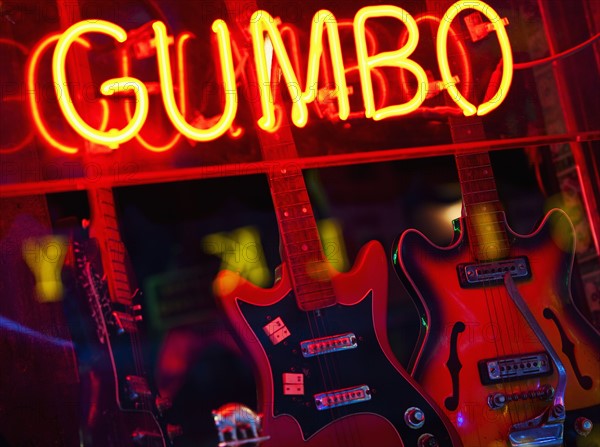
(327, 375)
(505, 351)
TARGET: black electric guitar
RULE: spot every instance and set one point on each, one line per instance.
(120, 407)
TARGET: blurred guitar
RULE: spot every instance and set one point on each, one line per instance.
(120, 407)
(504, 350)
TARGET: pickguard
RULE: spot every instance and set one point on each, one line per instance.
(367, 364)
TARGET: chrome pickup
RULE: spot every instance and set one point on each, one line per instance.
(346, 396)
(514, 368)
(326, 345)
(488, 273)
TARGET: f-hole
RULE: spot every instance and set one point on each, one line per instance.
(569, 350)
(454, 366)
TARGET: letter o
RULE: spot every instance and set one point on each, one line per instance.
(442, 56)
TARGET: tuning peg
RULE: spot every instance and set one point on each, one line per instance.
(173, 431)
(163, 404)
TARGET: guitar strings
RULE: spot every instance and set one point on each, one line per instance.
(488, 287)
(504, 320)
(345, 429)
(490, 299)
(346, 432)
(328, 372)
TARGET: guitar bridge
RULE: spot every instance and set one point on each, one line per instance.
(490, 273)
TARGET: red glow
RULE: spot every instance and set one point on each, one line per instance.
(94, 397)
(311, 162)
(289, 35)
(462, 51)
(278, 117)
(369, 60)
(326, 109)
(235, 131)
(380, 80)
(29, 137)
(182, 84)
(32, 80)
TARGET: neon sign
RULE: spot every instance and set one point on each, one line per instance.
(442, 55)
(262, 26)
(262, 22)
(113, 137)
(31, 75)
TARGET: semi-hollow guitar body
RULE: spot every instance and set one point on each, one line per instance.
(479, 359)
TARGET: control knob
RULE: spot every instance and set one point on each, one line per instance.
(427, 440)
(414, 417)
(583, 426)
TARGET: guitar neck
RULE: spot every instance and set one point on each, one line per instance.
(482, 209)
(106, 230)
(300, 240)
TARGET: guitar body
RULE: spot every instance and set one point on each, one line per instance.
(105, 423)
(291, 418)
(115, 411)
(468, 325)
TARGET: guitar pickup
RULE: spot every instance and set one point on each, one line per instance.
(137, 387)
(327, 345)
(346, 396)
(489, 273)
(125, 322)
(514, 368)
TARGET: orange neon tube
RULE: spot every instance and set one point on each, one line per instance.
(442, 56)
(261, 23)
(180, 42)
(462, 51)
(31, 76)
(29, 137)
(397, 58)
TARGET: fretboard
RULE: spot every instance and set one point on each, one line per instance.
(106, 230)
(483, 212)
(301, 243)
